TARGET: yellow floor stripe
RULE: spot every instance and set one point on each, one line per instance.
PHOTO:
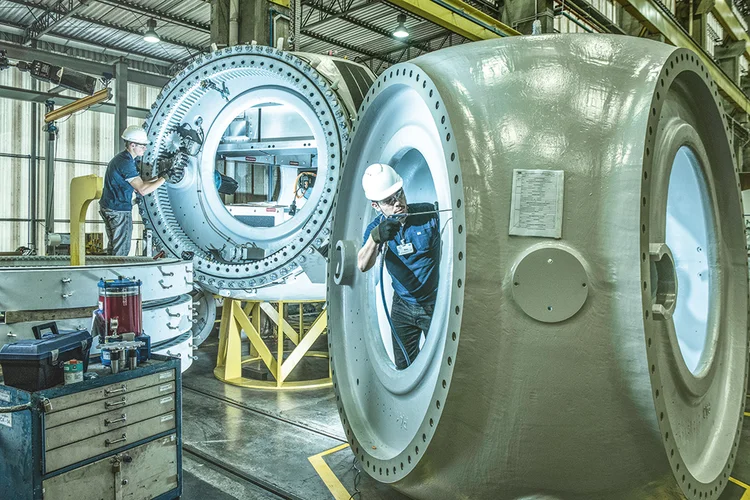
(746, 495)
(329, 478)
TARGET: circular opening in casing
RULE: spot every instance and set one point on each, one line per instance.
(399, 127)
(265, 223)
(688, 236)
(266, 164)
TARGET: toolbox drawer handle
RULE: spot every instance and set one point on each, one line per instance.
(122, 388)
(122, 418)
(115, 404)
(110, 442)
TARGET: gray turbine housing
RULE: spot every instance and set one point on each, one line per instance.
(189, 216)
(553, 367)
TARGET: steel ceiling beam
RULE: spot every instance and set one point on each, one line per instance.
(21, 53)
(115, 26)
(445, 37)
(731, 23)
(458, 17)
(61, 100)
(95, 63)
(157, 14)
(318, 5)
(654, 17)
(51, 17)
(99, 44)
(330, 17)
(347, 46)
(588, 12)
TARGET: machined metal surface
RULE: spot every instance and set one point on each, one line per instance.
(612, 400)
(47, 283)
(231, 258)
(181, 347)
(204, 314)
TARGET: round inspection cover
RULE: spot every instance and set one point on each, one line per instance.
(550, 284)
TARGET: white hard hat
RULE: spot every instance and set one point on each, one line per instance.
(381, 181)
(136, 134)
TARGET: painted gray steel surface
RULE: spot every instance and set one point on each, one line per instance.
(40, 283)
(499, 404)
(190, 216)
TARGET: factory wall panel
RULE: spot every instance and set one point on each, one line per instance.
(84, 146)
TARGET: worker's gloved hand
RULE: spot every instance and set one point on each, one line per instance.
(385, 231)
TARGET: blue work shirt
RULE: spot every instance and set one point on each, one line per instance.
(117, 193)
(415, 276)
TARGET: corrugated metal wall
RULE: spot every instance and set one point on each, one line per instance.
(84, 146)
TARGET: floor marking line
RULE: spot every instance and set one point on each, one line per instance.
(746, 494)
(332, 482)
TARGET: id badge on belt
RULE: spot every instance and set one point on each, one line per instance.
(405, 248)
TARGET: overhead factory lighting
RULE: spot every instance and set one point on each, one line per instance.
(400, 31)
(150, 35)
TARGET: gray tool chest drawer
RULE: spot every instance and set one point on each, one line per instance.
(114, 437)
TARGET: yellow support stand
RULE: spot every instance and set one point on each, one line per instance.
(83, 190)
(236, 317)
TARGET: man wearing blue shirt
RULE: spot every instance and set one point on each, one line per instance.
(120, 181)
(412, 255)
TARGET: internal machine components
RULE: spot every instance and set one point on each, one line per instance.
(236, 131)
(590, 334)
(36, 290)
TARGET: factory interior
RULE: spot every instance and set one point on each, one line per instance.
(374, 249)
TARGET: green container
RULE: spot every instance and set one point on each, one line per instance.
(73, 371)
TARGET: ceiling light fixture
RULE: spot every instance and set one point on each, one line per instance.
(150, 35)
(400, 31)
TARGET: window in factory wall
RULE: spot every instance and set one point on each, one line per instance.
(265, 165)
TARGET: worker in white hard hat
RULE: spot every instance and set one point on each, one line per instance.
(120, 181)
(411, 246)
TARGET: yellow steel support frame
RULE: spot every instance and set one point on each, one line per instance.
(236, 317)
(650, 14)
(83, 190)
(458, 17)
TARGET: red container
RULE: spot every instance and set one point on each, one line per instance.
(120, 303)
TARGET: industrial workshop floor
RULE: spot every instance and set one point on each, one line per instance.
(247, 444)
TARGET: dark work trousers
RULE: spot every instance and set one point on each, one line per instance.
(119, 227)
(409, 321)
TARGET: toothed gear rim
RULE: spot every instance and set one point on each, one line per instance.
(186, 217)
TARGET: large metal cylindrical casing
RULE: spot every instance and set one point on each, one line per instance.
(589, 338)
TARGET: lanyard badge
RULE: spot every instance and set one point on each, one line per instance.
(405, 248)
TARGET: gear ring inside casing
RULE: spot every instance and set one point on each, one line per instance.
(187, 216)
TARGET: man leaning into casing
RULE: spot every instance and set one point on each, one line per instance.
(412, 256)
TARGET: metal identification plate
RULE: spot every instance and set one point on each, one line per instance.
(6, 419)
(537, 203)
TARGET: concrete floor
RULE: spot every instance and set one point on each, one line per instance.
(247, 444)
(250, 444)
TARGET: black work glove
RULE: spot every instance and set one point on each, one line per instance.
(385, 231)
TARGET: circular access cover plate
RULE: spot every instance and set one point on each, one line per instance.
(550, 284)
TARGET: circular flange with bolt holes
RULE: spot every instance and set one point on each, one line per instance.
(188, 217)
(607, 401)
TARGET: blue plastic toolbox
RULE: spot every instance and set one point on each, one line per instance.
(37, 364)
